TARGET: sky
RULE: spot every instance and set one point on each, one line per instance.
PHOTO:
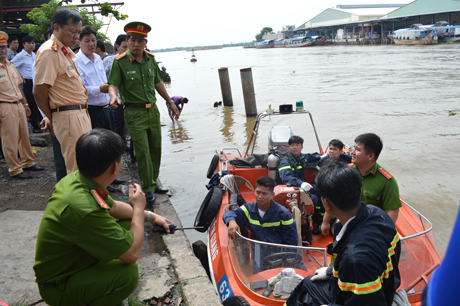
(188, 23)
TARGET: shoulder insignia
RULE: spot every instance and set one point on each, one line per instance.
(64, 50)
(54, 46)
(385, 173)
(99, 198)
(119, 56)
(130, 59)
(148, 52)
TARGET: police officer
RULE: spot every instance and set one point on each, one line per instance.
(13, 111)
(87, 243)
(58, 88)
(136, 74)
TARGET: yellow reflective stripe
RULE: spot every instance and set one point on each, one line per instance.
(267, 224)
(318, 168)
(299, 167)
(334, 272)
(284, 168)
(361, 289)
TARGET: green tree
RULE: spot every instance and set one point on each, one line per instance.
(265, 30)
(42, 18)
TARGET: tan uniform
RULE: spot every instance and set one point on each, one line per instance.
(55, 66)
(14, 131)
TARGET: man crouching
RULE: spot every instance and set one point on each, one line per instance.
(365, 252)
(84, 255)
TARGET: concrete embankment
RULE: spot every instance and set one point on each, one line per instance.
(169, 272)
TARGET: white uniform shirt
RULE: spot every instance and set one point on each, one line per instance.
(24, 63)
(93, 76)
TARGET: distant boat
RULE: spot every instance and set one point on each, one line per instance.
(280, 43)
(265, 44)
(318, 40)
(193, 59)
(417, 34)
(447, 32)
(299, 42)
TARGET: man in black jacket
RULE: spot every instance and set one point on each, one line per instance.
(365, 252)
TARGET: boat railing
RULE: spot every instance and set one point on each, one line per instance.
(422, 219)
(224, 155)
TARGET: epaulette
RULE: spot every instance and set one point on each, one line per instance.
(55, 46)
(385, 173)
(99, 198)
(118, 57)
(148, 52)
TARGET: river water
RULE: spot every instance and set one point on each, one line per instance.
(403, 94)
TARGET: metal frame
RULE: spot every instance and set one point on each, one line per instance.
(255, 131)
(421, 233)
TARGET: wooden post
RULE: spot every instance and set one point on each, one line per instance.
(225, 87)
(248, 92)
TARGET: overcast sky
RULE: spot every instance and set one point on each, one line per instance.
(187, 23)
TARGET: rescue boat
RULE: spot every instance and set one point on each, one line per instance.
(240, 268)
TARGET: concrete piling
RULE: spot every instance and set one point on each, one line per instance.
(248, 92)
(225, 86)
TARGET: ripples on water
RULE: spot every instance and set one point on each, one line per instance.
(402, 93)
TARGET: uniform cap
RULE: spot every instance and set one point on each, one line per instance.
(3, 37)
(137, 28)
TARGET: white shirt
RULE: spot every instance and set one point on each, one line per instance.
(343, 230)
(93, 76)
(24, 62)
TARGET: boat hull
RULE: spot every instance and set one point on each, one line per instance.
(421, 41)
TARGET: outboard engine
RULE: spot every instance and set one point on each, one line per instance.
(273, 163)
(278, 138)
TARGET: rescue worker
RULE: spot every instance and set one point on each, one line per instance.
(136, 74)
(267, 220)
(58, 88)
(84, 255)
(335, 150)
(365, 252)
(379, 187)
(291, 171)
(13, 118)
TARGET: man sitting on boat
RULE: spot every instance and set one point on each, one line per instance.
(267, 220)
(291, 171)
(379, 187)
(335, 150)
(365, 252)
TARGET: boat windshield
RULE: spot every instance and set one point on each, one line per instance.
(255, 262)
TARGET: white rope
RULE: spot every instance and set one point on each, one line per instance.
(400, 298)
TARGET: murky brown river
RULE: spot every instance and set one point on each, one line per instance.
(403, 94)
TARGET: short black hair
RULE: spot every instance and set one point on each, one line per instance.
(336, 143)
(87, 30)
(97, 150)
(372, 143)
(295, 139)
(185, 100)
(28, 39)
(121, 38)
(48, 32)
(340, 184)
(62, 15)
(100, 45)
(266, 181)
(12, 38)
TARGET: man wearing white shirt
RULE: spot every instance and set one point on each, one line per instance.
(24, 63)
(91, 68)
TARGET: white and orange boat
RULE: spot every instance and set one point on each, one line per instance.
(234, 263)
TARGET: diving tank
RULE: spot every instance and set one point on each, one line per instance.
(273, 163)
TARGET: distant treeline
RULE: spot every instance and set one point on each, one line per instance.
(186, 48)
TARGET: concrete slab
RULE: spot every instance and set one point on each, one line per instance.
(18, 235)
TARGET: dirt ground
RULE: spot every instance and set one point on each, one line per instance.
(33, 194)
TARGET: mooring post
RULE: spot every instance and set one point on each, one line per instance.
(248, 92)
(225, 87)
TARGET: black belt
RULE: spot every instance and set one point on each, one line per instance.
(98, 107)
(15, 102)
(69, 107)
(148, 105)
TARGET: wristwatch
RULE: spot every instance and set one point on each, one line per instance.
(149, 213)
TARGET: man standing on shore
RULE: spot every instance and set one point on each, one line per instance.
(13, 42)
(137, 75)
(13, 120)
(58, 88)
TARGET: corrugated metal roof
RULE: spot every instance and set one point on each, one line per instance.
(422, 7)
(370, 11)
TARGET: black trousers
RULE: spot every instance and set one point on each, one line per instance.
(308, 293)
(101, 117)
(35, 116)
(119, 118)
(59, 162)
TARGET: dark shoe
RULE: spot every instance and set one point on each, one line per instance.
(37, 131)
(33, 168)
(22, 176)
(118, 182)
(150, 198)
(111, 189)
(161, 190)
(317, 230)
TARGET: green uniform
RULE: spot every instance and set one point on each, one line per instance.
(78, 244)
(136, 83)
(380, 189)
